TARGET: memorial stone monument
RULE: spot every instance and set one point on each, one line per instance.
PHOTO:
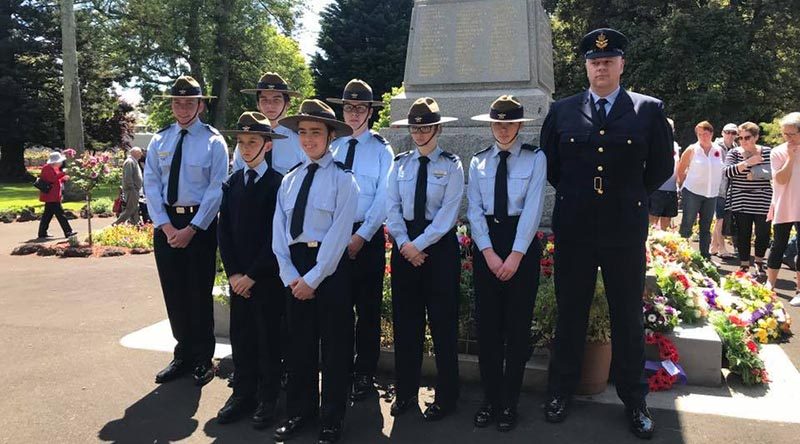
(466, 53)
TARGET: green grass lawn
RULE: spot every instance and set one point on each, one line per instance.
(15, 195)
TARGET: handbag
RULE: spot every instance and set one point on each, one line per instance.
(42, 185)
(762, 171)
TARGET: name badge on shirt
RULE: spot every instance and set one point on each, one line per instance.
(439, 173)
(163, 154)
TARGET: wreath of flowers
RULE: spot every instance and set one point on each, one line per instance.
(662, 380)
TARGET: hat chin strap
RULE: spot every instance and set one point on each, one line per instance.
(258, 153)
(193, 117)
(433, 133)
(513, 139)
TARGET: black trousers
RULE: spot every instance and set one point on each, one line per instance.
(256, 340)
(187, 278)
(53, 209)
(780, 241)
(327, 318)
(504, 312)
(367, 284)
(432, 287)
(745, 223)
(623, 269)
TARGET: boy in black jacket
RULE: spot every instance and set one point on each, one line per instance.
(257, 294)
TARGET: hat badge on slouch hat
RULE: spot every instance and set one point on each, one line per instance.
(316, 111)
(184, 86)
(357, 90)
(424, 112)
(271, 81)
(505, 108)
(252, 122)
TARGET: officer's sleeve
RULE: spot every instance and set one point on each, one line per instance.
(266, 264)
(446, 217)
(280, 244)
(376, 214)
(338, 236)
(238, 161)
(227, 248)
(548, 140)
(394, 209)
(209, 206)
(532, 208)
(660, 160)
(153, 185)
(477, 220)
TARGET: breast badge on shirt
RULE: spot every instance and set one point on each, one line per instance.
(439, 173)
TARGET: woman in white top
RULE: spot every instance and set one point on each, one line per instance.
(699, 175)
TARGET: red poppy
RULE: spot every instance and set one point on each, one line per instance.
(752, 346)
(716, 153)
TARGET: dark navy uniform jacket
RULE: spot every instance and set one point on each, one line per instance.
(603, 175)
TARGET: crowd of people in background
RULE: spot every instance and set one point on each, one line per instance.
(745, 190)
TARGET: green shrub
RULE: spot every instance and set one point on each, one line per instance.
(102, 205)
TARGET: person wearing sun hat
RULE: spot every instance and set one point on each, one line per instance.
(607, 150)
(185, 166)
(257, 296)
(313, 223)
(505, 195)
(53, 174)
(423, 199)
(371, 159)
(273, 97)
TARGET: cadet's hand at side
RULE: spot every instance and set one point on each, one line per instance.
(355, 245)
(243, 285)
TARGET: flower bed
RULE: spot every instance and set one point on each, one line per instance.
(125, 235)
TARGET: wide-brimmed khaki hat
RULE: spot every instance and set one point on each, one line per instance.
(424, 112)
(272, 82)
(357, 91)
(251, 122)
(185, 87)
(505, 109)
(317, 111)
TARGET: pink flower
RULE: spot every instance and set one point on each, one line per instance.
(94, 175)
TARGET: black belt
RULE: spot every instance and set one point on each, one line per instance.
(182, 210)
(312, 244)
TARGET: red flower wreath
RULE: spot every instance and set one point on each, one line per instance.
(662, 380)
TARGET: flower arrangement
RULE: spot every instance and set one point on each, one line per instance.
(87, 172)
(680, 292)
(659, 316)
(665, 372)
(740, 349)
(126, 235)
(756, 307)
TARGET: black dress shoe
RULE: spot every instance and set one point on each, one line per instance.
(264, 414)
(641, 422)
(507, 420)
(203, 374)
(70, 234)
(330, 434)
(174, 370)
(484, 416)
(236, 408)
(400, 406)
(288, 429)
(436, 411)
(555, 410)
(363, 386)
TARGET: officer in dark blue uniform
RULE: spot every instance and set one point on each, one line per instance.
(185, 167)
(607, 150)
(371, 159)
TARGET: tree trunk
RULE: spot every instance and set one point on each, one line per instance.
(12, 164)
(73, 121)
(193, 44)
(223, 65)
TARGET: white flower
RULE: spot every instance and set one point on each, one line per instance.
(651, 318)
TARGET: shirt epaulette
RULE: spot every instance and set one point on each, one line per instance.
(342, 167)
(165, 128)
(528, 147)
(450, 156)
(380, 138)
(294, 167)
(401, 155)
(483, 150)
(212, 129)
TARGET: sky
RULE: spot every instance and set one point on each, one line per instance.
(306, 36)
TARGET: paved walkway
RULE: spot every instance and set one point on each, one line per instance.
(66, 378)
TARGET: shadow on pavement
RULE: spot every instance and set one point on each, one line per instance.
(163, 415)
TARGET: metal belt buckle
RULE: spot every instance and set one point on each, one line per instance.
(313, 244)
(598, 184)
(180, 210)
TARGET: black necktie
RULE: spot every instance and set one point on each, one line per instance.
(351, 154)
(601, 110)
(268, 158)
(420, 192)
(251, 179)
(175, 171)
(299, 213)
(501, 187)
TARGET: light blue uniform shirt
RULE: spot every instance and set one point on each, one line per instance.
(260, 170)
(372, 164)
(330, 213)
(443, 198)
(286, 153)
(204, 166)
(527, 172)
(611, 99)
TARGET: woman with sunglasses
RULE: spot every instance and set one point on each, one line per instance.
(786, 199)
(422, 202)
(748, 169)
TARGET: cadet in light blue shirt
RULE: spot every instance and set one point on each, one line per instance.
(273, 97)
(423, 199)
(313, 223)
(185, 167)
(505, 199)
(371, 159)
